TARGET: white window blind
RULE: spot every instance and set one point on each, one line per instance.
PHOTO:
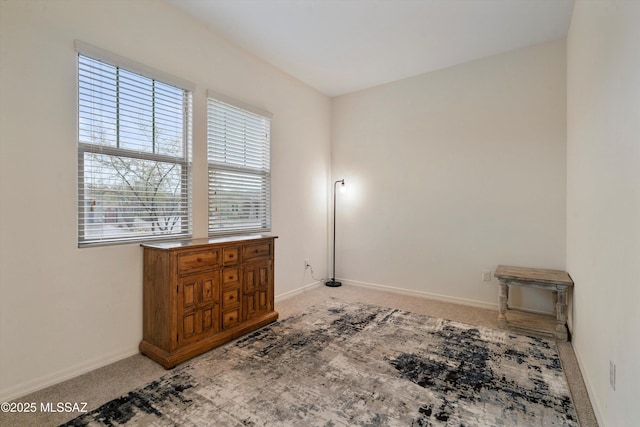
(239, 167)
(134, 155)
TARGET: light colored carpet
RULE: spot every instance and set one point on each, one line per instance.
(110, 382)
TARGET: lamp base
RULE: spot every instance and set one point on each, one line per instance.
(332, 283)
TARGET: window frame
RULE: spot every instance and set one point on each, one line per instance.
(265, 222)
(184, 161)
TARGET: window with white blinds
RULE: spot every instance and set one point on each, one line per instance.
(134, 155)
(239, 167)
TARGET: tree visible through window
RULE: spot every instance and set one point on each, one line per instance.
(133, 155)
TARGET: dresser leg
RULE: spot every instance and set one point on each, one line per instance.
(503, 299)
(561, 315)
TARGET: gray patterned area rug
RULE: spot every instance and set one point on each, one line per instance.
(352, 364)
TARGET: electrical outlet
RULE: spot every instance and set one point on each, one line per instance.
(612, 375)
(486, 275)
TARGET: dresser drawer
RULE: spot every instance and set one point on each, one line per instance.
(197, 261)
(256, 252)
(230, 255)
(230, 276)
(230, 298)
(230, 318)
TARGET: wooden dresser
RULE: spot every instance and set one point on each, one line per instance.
(201, 293)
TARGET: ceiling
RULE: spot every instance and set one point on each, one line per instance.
(341, 46)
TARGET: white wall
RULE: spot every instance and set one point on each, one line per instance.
(453, 172)
(603, 201)
(65, 310)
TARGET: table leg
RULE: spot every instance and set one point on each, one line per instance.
(561, 315)
(503, 299)
(555, 302)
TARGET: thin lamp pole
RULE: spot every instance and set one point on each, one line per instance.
(332, 283)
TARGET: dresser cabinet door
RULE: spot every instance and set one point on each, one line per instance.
(257, 289)
(198, 307)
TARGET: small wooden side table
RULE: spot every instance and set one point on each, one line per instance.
(556, 281)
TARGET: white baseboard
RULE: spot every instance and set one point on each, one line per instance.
(65, 374)
(437, 297)
(294, 292)
(590, 391)
(422, 294)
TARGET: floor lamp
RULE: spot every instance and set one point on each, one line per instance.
(332, 283)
